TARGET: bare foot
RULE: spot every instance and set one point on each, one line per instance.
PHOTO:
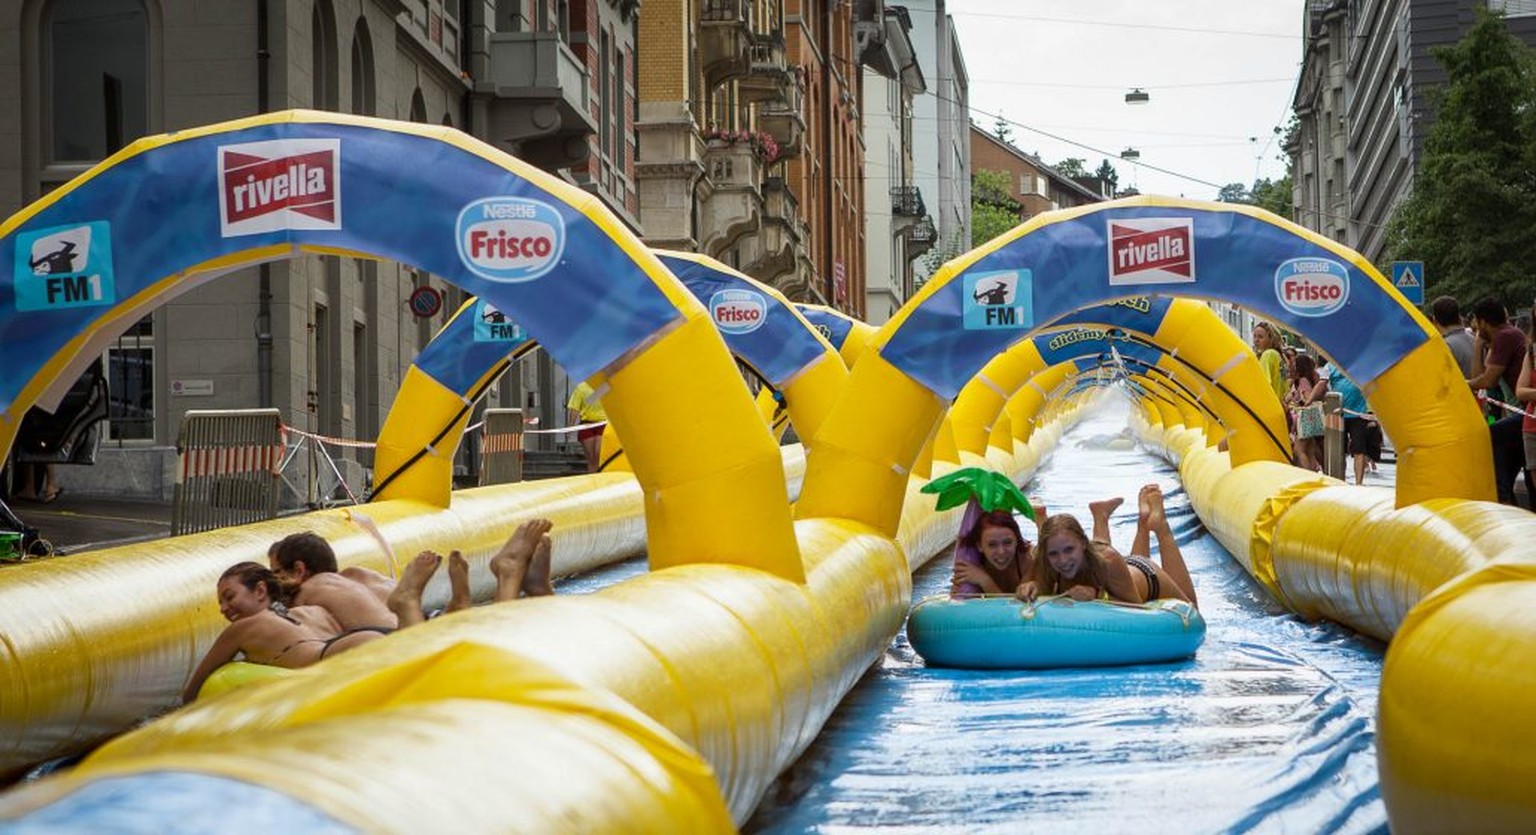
(536, 581)
(405, 600)
(458, 581)
(511, 563)
(1102, 508)
(1151, 505)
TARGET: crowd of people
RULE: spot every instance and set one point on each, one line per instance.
(1301, 380)
(301, 607)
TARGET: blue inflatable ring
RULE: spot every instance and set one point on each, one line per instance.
(1004, 633)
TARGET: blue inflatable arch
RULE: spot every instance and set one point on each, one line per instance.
(170, 212)
(1060, 262)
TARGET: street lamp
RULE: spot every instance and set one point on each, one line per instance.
(1137, 96)
(1130, 154)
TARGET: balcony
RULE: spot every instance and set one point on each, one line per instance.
(535, 95)
(783, 120)
(735, 172)
(921, 237)
(781, 238)
(725, 40)
(768, 75)
(907, 208)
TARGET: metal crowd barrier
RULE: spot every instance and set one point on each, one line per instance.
(229, 469)
(501, 447)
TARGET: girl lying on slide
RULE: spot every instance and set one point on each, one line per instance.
(267, 630)
(1084, 569)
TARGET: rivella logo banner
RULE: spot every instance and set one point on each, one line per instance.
(510, 239)
(64, 266)
(1151, 250)
(1312, 286)
(279, 184)
(738, 311)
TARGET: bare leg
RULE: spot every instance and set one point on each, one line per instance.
(510, 565)
(458, 581)
(1101, 510)
(405, 600)
(1142, 544)
(1168, 552)
(593, 447)
(536, 581)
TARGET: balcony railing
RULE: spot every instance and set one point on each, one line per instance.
(726, 11)
(907, 201)
(783, 120)
(537, 91)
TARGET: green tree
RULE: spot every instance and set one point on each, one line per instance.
(1234, 193)
(993, 209)
(1471, 216)
(1002, 129)
(1108, 174)
(1275, 195)
(1071, 167)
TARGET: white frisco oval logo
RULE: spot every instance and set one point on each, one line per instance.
(738, 311)
(1312, 286)
(510, 239)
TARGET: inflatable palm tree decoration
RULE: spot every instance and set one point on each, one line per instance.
(990, 490)
(981, 491)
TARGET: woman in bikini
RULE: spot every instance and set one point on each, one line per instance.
(264, 629)
(1084, 569)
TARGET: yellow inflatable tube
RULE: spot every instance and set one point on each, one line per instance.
(1450, 582)
(677, 644)
(95, 643)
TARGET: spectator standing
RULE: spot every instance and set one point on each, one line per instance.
(1447, 316)
(586, 408)
(1499, 350)
(1266, 344)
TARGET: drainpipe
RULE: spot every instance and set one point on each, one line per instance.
(264, 294)
(828, 244)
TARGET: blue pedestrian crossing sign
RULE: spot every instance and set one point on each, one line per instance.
(1408, 278)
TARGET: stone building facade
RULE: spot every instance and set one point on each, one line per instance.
(325, 340)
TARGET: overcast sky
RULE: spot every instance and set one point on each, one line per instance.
(1220, 74)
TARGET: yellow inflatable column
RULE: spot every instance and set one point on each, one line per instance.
(865, 462)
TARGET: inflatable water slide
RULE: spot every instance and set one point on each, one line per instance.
(672, 700)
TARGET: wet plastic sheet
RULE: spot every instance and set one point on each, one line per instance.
(1269, 728)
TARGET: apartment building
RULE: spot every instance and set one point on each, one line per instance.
(941, 143)
(1036, 187)
(897, 227)
(1362, 106)
(325, 340)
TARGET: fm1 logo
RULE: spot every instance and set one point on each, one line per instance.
(492, 325)
(1312, 286)
(65, 266)
(1002, 299)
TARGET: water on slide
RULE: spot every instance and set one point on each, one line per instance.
(1270, 727)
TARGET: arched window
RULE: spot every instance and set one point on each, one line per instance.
(418, 107)
(96, 78)
(324, 86)
(362, 70)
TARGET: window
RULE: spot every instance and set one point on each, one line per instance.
(362, 71)
(324, 87)
(97, 79)
(131, 380)
(1513, 8)
(604, 94)
(617, 149)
